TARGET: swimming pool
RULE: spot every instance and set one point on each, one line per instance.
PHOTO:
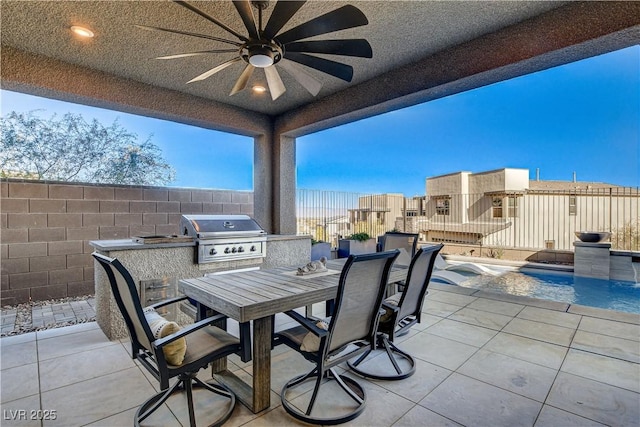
(564, 287)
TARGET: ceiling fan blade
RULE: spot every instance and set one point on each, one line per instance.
(339, 19)
(283, 11)
(202, 52)
(336, 69)
(276, 87)
(186, 33)
(214, 70)
(241, 83)
(353, 47)
(244, 9)
(309, 82)
(210, 19)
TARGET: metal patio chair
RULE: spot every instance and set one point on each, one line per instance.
(402, 311)
(407, 244)
(349, 332)
(204, 342)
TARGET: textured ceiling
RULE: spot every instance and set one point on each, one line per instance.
(400, 33)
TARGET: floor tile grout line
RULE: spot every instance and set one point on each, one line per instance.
(39, 377)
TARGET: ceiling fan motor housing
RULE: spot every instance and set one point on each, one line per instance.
(261, 54)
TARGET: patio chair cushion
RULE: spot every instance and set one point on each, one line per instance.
(393, 300)
(311, 342)
(160, 327)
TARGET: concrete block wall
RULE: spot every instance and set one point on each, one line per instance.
(46, 227)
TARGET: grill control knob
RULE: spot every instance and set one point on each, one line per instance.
(227, 250)
(241, 249)
(234, 250)
(213, 252)
(252, 249)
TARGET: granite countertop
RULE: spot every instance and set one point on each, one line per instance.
(129, 244)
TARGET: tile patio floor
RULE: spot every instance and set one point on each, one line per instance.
(482, 360)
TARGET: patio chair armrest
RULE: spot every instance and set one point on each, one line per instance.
(159, 343)
(167, 302)
(308, 324)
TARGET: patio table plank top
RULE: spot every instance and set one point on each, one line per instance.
(254, 294)
(250, 295)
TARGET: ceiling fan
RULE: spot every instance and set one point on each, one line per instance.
(265, 47)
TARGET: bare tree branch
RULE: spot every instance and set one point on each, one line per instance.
(71, 149)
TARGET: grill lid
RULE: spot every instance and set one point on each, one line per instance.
(210, 226)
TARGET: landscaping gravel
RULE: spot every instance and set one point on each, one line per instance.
(48, 314)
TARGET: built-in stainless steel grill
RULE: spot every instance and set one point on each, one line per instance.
(224, 237)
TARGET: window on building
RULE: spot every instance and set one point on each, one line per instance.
(573, 205)
(496, 207)
(513, 207)
(442, 206)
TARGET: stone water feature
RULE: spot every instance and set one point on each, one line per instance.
(594, 258)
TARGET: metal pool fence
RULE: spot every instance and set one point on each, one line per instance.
(534, 219)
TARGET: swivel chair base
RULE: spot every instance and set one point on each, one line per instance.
(392, 351)
(351, 387)
(188, 382)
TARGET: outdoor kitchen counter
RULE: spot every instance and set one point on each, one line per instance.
(129, 244)
(174, 261)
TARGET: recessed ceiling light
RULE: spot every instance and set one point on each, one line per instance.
(82, 31)
(259, 89)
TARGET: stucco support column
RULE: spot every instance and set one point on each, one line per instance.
(274, 183)
(284, 185)
(262, 178)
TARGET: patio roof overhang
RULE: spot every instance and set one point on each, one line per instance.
(438, 58)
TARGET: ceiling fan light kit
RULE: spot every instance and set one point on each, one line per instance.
(262, 55)
(266, 47)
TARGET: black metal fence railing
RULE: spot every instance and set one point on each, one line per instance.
(535, 219)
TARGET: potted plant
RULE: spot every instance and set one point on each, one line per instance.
(320, 249)
(357, 243)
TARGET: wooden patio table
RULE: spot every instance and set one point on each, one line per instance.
(256, 296)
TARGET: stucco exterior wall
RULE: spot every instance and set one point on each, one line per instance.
(499, 180)
(444, 185)
(46, 227)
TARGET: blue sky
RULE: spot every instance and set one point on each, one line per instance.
(582, 117)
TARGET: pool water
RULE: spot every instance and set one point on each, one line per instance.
(564, 287)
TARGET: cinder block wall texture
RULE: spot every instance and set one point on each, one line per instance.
(46, 228)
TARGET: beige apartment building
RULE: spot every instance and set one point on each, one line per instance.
(377, 213)
(505, 208)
